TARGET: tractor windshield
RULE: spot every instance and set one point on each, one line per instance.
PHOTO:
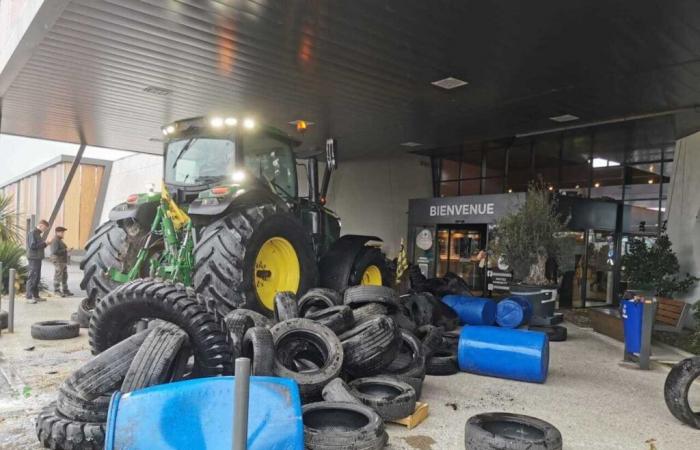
(272, 160)
(199, 160)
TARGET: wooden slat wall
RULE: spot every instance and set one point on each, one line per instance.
(78, 208)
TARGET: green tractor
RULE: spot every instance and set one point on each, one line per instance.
(229, 222)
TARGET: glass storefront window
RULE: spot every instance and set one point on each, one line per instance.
(495, 161)
(546, 154)
(519, 167)
(449, 189)
(493, 185)
(575, 161)
(470, 187)
(449, 169)
(471, 164)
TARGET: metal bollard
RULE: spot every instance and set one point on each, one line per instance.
(240, 406)
(11, 298)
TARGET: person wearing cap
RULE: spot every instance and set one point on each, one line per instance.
(35, 253)
(59, 250)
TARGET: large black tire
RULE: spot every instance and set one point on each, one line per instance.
(370, 256)
(342, 426)
(161, 358)
(337, 318)
(356, 296)
(410, 361)
(676, 389)
(116, 314)
(318, 298)
(305, 339)
(225, 272)
(73, 407)
(391, 398)
(50, 330)
(367, 312)
(370, 346)
(109, 247)
(85, 309)
(56, 431)
(510, 432)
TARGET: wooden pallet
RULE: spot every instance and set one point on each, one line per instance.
(418, 416)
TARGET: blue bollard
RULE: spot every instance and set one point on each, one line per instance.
(512, 312)
(472, 310)
(504, 353)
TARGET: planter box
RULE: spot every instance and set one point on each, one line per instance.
(607, 321)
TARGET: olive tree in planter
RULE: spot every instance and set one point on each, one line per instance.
(529, 243)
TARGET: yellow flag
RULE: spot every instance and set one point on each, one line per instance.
(177, 215)
(401, 262)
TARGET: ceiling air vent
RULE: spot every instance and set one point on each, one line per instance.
(564, 118)
(411, 144)
(155, 90)
(449, 83)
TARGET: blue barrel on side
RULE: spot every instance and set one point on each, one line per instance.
(472, 310)
(512, 312)
(504, 353)
(198, 414)
(632, 313)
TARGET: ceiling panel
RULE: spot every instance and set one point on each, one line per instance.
(361, 70)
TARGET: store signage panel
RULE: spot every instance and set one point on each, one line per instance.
(467, 209)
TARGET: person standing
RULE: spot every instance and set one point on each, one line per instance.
(59, 253)
(35, 254)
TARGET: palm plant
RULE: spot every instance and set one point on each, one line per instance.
(9, 220)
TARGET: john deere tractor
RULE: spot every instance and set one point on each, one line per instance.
(229, 222)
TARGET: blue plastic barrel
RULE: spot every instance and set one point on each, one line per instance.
(632, 313)
(198, 414)
(504, 352)
(512, 312)
(472, 310)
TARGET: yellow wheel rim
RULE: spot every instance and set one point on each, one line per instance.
(277, 269)
(372, 276)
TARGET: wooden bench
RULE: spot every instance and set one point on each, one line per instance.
(670, 314)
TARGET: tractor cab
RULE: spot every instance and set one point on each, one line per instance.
(204, 153)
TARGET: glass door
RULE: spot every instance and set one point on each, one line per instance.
(599, 276)
(460, 252)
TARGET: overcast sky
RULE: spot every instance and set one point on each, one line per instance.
(19, 154)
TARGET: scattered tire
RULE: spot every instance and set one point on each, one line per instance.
(367, 312)
(556, 333)
(4, 320)
(258, 346)
(285, 306)
(162, 358)
(85, 308)
(338, 318)
(410, 360)
(342, 425)
(676, 389)
(104, 373)
(258, 319)
(431, 338)
(338, 391)
(51, 330)
(73, 407)
(117, 313)
(56, 431)
(510, 431)
(450, 341)
(404, 322)
(225, 269)
(316, 299)
(415, 382)
(361, 295)
(305, 339)
(443, 316)
(419, 309)
(371, 346)
(442, 362)
(237, 325)
(392, 399)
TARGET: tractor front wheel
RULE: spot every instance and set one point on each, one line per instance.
(370, 268)
(244, 259)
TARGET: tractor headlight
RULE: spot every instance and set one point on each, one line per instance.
(231, 121)
(216, 122)
(238, 176)
(249, 124)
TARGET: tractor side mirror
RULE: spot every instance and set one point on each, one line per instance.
(331, 162)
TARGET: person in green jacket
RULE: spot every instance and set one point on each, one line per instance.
(59, 251)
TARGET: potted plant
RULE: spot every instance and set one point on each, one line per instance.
(528, 240)
(654, 268)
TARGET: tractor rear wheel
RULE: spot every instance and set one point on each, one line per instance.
(245, 258)
(110, 246)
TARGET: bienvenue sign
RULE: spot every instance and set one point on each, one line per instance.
(466, 209)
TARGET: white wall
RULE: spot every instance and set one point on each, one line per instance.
(371, 195)
(130, 175)
(683, 208)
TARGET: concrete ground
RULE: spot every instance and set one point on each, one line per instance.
(596, 401)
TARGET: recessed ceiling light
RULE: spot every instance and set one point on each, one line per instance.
(155, 90)
(411, 144)
(449, 83)
(564, 118)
